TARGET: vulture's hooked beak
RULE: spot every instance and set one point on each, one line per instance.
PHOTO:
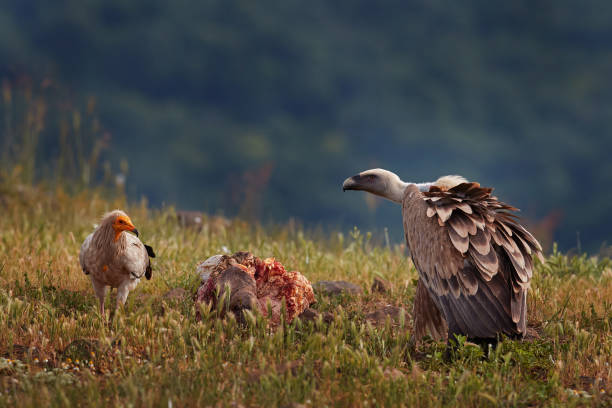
(135, 231)
(353, 183)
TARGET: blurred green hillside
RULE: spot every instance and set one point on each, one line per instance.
(263, 108)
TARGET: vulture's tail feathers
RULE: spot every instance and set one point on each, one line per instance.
(148, 271)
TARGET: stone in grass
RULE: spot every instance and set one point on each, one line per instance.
(176, 294)
(81, 349)
(190, 219)
(25, 353)
(379, 316)
(311, 315)
(393, 374)
(381, 285)
(335, 288)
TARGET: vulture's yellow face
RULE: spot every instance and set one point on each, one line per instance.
(123, 223)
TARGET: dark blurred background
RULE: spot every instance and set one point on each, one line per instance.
(261, 109)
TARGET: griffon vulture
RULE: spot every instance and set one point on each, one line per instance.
(474, 260)
(113, 258)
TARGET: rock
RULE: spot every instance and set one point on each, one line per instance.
(381, 285)
(379, 316)
(592, 383)
(328, 317)
(81, 349)
(311, 315)
(21, 352)
(190, 219)
(337, 287)
(393, 373)
(176, 294)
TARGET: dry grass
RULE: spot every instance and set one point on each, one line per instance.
(58, 352)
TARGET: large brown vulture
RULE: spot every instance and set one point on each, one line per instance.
(112, 257)
(474, 260)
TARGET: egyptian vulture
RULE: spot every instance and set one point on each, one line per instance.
(113, 258)
(474, 260)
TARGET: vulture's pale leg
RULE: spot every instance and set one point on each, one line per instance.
(122, 293)
(100, 290)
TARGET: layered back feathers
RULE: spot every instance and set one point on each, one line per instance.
(475, 220)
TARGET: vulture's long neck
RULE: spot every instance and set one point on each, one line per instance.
(396, 189)
(424, 186)
(104, 239)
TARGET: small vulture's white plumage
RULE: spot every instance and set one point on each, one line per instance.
(475, 261)
(112, 257)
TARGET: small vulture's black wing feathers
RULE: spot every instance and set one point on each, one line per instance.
(150, 251)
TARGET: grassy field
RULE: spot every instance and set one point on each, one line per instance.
(58, 352)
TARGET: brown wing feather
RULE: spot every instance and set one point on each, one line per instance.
(427, 317)
(473, 257)
(481, 242)
(461, 243)
(462, 225)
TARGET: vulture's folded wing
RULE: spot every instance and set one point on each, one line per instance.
(473, 257)
(85, 248)
(135, 259)
(427, 318)
(150, 251)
